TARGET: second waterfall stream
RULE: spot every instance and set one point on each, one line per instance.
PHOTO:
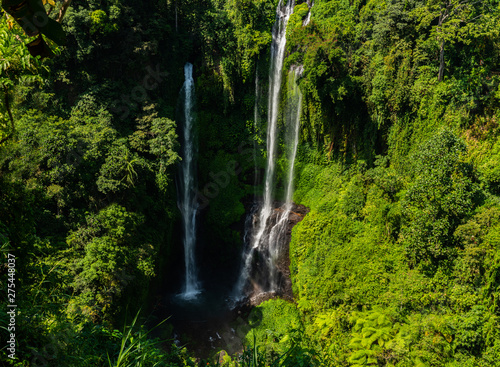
(269, 226)
(187, 199)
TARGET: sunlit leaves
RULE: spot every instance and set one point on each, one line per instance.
(442, 193)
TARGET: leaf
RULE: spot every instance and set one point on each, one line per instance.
(358, 356)
(285, 339)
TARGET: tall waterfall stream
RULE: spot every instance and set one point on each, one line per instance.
(187, 199)
(209, 315)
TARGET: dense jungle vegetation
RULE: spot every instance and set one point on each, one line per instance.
(397, 262)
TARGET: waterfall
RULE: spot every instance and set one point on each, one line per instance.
(256, 103)
(275, 77)
(187, 199)
(256, 126)
(278, 231)
(308, 17)
(259, 238)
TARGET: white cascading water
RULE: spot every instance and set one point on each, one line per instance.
(256, 125)
(278, 231)
(187, 199)
(256, 103)
(275, 77)
(308, 17)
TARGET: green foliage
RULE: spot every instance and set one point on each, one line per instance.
(107, 252)
(138, 349)
(343, 259)
(118, 171)
(100, 21)
(371, 334)
(273, 325)
(251, 29)
(443, 193)
(491, 169)
(18, 69)
(299, 13)
(398, 163)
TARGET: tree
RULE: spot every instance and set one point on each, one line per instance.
(34, 19)
(442, 194)
(110, 255)
(16, 67)
(118, 172)
(457, 21)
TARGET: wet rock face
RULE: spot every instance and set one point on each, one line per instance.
(296, 215)
(260, 273)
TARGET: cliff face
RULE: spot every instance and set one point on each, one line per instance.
(259, 272)
(296, 215)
